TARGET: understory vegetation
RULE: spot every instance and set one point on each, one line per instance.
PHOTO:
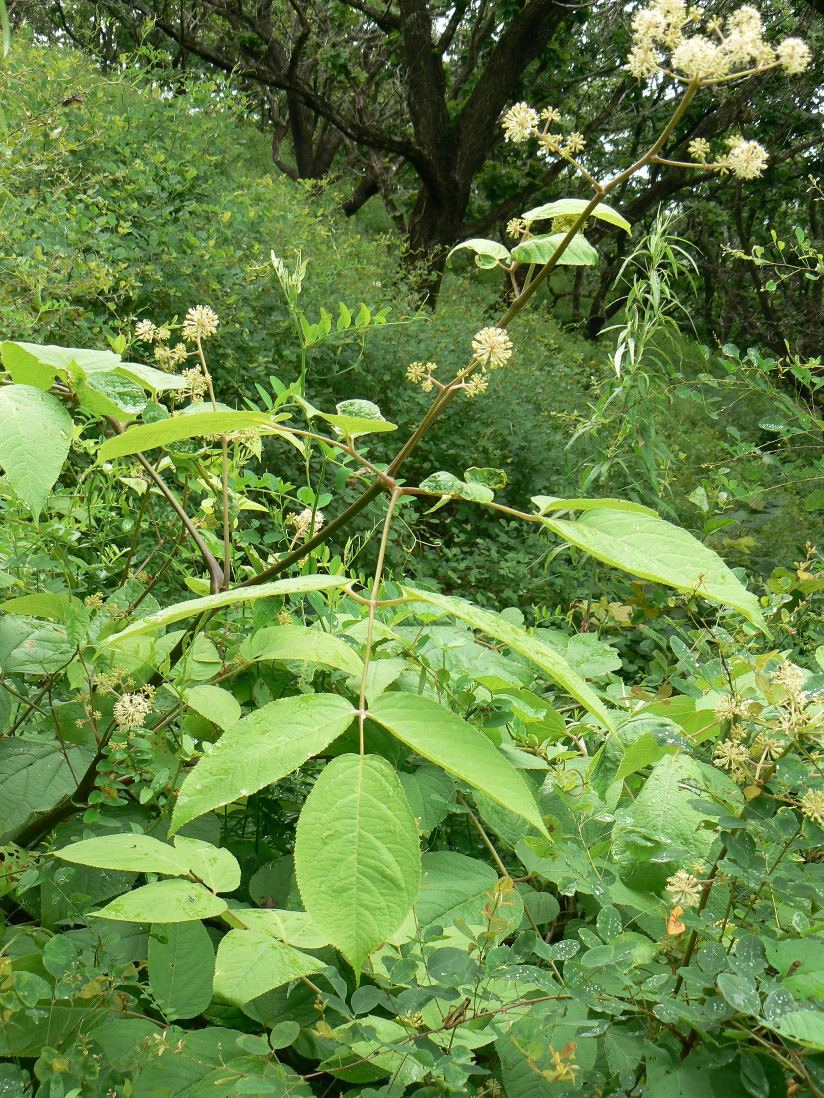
(402, 697)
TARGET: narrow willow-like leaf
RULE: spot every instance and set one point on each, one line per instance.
(457, 747)
(651, 548)
(519, 640)
(250, 963)
(297, 585)
(357, 857)
(261, 749)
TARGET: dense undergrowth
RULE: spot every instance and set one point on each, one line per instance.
(338, 764)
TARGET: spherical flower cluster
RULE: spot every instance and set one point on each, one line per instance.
(200, 322)
(790, 676)
(492, 348)
(698, 58)
(131, 710)
(516, 227)
(476, 385)
(146, 331)
(303, 524)
(168, 358)
(812, 806)
(723, 51)
(420, 373)
(699, 149)
(196, 383)
(745, 159)
(794, 56)
(520, 123)
(731, 755)
(684, 888)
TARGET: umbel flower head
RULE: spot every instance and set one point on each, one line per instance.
(520, 122)
(684, 889)
(131, 710)
(302, 521)
(492, 348)
(200, 322)
(812, 806)
(745, 159)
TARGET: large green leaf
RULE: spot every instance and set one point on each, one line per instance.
(540, 249)
(250, 963)
(259, 750)
(297, 585)
(453, 886)
(214, 703)
(556, 503)
(357, 858)
(181, 969)
(446, 739)
(38, 365)
(34, 776)
(661, 830)
(148, 436)
(519, 640)
(488, 253)
(215, 867)
(297, 642)
(35, 433)
(566, 207)
(651, 548)
(110, 394)
(132, 853)
(171, 901)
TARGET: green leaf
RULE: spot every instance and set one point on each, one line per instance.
(447, 740)
(218, 869)
(148, 436)
(492, 478)
(519, 640)
(34, 776)
(566, 207)
(215, 704)
(164, 902)
(652, 549)
(293, 927)
(740, 992)
(804, 1026)
(430, 793)
(181, 969)
(35, 433)
(39, 365)
(661, 828)
(250, 963)
(297, 642)
(261, 749)
(357, 830)
(554, 503)
(156, 381)
(448, 484)
(540, 249)
(110, 394)
(488, 253)
(354, 426)
(132, 853)
(297, 585)
(453, 886)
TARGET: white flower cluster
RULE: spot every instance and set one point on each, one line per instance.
(302, 522)
(492, 348)
(131, 710)
(200, 322)
(722, 51)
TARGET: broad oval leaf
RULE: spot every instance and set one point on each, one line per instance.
(297, 585)
(297, 642)
(164, 902)
(250, 963)
(653, 549)
(293, 927)
(39, 364)
(565, 207)
(488, 253)
(541, 654)
(355, 426)
(35, 433)
(555, 503)
(132, 853)
(357, 858)
(261, 749)
(214, 703)
(148, 436)
(34, 776)
(457, 747)
(540, 249)
(181, 969)
(218, 869)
